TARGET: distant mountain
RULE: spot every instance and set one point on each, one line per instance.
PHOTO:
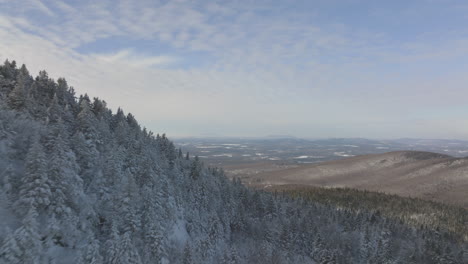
(425, 175)
(80, 183)
(280, 137)
(346, 141)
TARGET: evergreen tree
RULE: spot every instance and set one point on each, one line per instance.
(113, 253)
(17, 98)
(35, 189)
(195, 168)
(55, 110)
(87, 157)
(90, 254)
(9, 69)
(128, 252)
(28, 238)
(154, 241)
(64, 180)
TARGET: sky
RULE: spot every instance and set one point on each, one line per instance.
(252, 68)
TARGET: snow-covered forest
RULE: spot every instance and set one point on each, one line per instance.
(83, 184)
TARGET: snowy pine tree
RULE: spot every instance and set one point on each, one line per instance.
(34, 192)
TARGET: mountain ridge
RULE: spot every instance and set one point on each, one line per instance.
(419, 174)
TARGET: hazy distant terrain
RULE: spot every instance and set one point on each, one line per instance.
(229, 151)
(356, 163)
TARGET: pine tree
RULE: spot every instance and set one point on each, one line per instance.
(28, 239)
(54, 232)
(62, 92)
(9, 69)
(35, 189)
(90, 254)
(18, 96)
(45, 88)
(195, 168)
(55, 110)
(87, 122)
(366, 246)
(128, 252)
(87, 157)
(154, 241)
(113, 253)
(59, 174)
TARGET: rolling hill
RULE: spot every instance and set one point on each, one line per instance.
(406, 173)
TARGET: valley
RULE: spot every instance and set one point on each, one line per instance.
(355, 163)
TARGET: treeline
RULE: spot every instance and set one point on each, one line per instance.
(446, 219)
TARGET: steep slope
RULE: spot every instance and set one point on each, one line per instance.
(81, 184)
(406, 173)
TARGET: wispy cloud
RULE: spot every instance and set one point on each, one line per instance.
(39, 5)
(236, 64)
(131, 58)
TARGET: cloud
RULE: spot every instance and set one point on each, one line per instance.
(131, 58)
(37, 4)
(247, 68)
(22, 7)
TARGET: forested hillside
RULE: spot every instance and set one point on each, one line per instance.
(82, 184)
(412, 211)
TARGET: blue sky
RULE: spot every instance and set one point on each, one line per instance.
(316, 68)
